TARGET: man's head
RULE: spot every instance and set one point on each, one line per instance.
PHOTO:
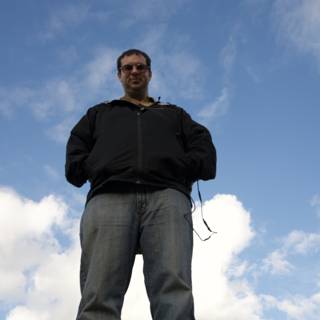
(131, 52)
(134, 72)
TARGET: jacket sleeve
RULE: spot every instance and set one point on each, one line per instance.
(201, 153)
(79, 146)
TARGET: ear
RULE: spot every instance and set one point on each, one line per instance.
(119, 75)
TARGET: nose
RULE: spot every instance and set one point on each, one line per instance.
(134, 69)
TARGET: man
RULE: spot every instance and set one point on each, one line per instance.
(141, 158)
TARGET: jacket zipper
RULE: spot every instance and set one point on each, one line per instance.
(139, 132)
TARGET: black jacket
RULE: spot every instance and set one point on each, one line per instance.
(159, 146)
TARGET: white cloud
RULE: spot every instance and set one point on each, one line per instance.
(217, 294)
(296, 307)
(298, 23)
(20, 313)
(297, 242)
(300, 242)
(54, 293)
(37, 274)
(276, 263)
(44, 275)
(35, 219)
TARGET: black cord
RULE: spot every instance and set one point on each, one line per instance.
(204, 221)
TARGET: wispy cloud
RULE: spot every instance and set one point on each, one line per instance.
(221, 104)
(177, 75)
(276, 263)
(98, 73)
(177, 72)
(64, 18)
(297, 242)
(217, 108)
(60, 132)
(253, 74)
(54, 97)
(296, 307)
(51, 98)
(13, 98)
(228, 56)
(292, 305)
(58, 100)
(144, 11)
(298, 23)
(300, 242)
(70, 16)
(51, 172)
(315, 202)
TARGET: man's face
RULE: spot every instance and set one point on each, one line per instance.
(134, 80)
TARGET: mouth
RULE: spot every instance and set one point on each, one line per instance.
(135, 81)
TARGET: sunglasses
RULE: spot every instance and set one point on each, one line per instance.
(140, 67)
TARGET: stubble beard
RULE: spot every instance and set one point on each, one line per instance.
(137, 92)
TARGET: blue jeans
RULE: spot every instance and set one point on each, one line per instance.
(113, 227)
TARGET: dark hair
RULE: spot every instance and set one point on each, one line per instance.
(131, 52)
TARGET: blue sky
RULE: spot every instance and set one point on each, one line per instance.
(249, 70)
